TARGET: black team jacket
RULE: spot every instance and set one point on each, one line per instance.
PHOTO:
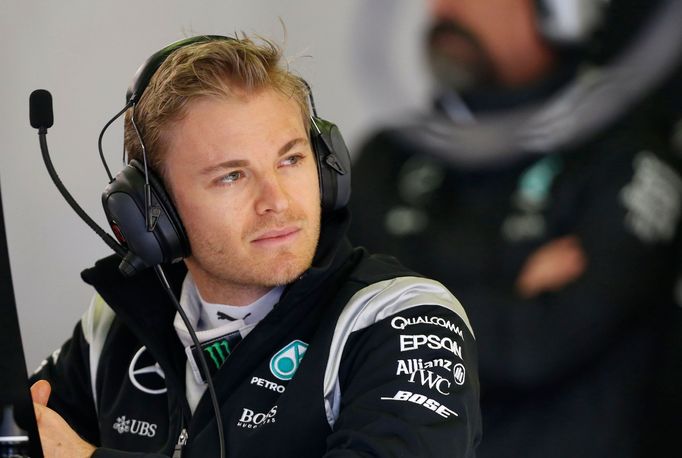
(383, 363)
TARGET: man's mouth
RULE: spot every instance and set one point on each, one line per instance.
(277, 236)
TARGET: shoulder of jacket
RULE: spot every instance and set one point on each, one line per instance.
(371, 304)
(96, 321)
(385, 298)
(95, 325)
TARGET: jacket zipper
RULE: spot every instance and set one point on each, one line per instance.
(182, 440)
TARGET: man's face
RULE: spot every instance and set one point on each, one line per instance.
(459, 57)
(244, 179)
(483, 43)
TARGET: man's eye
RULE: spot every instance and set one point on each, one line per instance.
(231, 177)
(293, 159)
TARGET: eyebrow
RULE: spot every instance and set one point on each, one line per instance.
(288, 146)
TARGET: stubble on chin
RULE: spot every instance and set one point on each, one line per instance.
(287, 266)
(219, 269)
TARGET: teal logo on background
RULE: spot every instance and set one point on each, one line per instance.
(286, 361)
(536, 182)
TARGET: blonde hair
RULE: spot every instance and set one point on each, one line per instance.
(215, 68)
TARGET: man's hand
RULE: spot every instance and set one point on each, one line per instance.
(551, 267)
(56, 436)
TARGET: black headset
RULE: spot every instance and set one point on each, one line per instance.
(140, 211)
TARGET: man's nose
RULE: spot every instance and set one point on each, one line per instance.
(272, 196)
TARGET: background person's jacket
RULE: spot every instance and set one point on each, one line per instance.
(569, 372)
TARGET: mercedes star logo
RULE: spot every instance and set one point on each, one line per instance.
(146, 374)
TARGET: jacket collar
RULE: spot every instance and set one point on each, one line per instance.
(142, 304)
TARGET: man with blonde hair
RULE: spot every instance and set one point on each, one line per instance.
(315, 348)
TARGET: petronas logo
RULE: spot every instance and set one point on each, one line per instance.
(286, 361)
(218, 352)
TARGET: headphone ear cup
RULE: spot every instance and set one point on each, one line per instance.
(333, 164)
(124, 205)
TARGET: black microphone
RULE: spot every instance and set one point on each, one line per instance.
(40, 113)
(41, 119)
(40, 109)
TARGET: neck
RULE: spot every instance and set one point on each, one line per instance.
(218, 291)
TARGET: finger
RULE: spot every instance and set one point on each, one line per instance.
(39, 411)
(527, 287)
(571, 240)
(40, 392)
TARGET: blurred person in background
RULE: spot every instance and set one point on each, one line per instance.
(544, 187)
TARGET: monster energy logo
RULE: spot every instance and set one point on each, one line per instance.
(218, 352)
